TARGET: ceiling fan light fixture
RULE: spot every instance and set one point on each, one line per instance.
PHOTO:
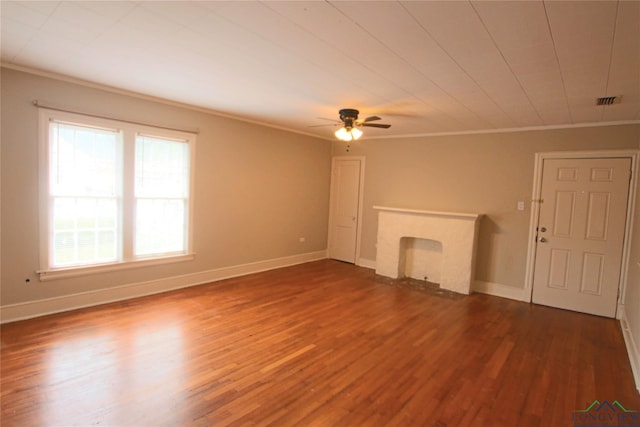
(348, 134)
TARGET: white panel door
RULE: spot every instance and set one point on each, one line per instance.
(581, 234)
(343, 216)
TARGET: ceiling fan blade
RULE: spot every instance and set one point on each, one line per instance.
(368, 119)
(331, 120)
(328, 124)
(376, 125)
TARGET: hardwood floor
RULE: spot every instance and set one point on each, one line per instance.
(323, 343)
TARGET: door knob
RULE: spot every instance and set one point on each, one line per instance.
(543, 229)
(543, 240)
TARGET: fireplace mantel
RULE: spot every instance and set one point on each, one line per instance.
(457, 232)
(460, 215)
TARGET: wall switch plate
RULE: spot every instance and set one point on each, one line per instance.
(520, 205)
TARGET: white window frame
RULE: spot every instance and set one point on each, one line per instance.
(128, 131)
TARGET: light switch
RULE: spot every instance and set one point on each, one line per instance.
(520, 205)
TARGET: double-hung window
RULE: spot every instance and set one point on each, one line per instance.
(113, 194)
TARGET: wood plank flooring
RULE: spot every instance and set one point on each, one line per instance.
(318, 344)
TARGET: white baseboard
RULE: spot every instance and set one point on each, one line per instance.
(498, 290)
(367, 263)
(26, 310)
(632, 348)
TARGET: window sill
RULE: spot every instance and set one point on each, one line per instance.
(63, 273)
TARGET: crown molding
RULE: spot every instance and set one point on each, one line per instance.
(142, 96)
(112, 89)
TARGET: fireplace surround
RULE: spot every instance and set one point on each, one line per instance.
(455, 232)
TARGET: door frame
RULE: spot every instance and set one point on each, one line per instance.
(535, 213)
(360, 204)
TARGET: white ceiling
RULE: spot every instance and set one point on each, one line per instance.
(425, 66)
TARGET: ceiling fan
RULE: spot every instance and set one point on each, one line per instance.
(349, 119)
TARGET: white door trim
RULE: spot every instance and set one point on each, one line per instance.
(535, 211)
(360, 203)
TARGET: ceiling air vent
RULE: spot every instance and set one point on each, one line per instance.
(608, 100)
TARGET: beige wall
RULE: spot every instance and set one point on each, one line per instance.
(257, 189)
(486, 174)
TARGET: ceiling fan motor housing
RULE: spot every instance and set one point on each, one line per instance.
(348, 116)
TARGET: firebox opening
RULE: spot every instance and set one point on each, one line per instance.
(421, 259)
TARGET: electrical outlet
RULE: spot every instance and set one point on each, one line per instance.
(301, 239)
